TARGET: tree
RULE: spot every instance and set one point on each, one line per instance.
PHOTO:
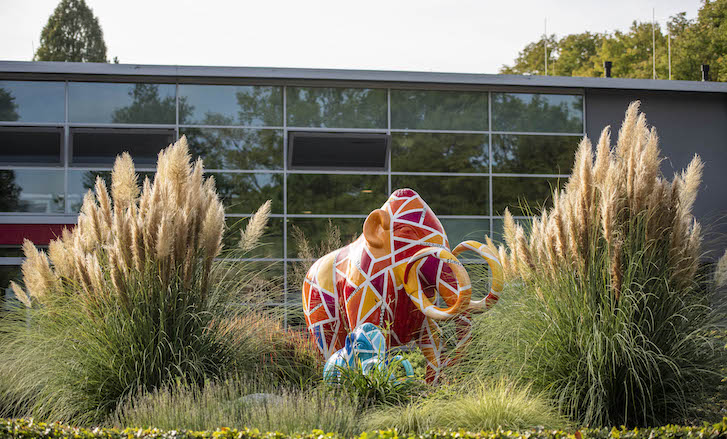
(7, 106)
(693, 42)
(72, 34)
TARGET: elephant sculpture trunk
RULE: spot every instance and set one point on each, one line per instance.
(390, 277)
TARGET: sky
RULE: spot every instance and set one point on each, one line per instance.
(465, 36)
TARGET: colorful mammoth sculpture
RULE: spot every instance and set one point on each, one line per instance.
(390, 277)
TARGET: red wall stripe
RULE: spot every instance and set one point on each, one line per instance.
(39, 234)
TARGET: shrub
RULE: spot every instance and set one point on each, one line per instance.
(236, 403)
(604, 308)
(132, 299)
(478, 406)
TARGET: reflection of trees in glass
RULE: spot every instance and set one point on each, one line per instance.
(260, 106)
(444, 110)
(417, 152)
(537, 112)
(523, 195)
(327, 193)
(8, 106)
(336, 107)
(9, 192)
(317, 230)
(449, 195)
(533, 154)
(244, 193)
(236, 148)
(147, 105)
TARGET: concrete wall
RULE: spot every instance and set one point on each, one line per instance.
(687, 123)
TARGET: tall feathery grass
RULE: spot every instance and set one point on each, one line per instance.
(604, 309)
(132, 298)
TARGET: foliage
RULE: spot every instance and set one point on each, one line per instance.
(476, 407)
(72, 34)
(28, 428)
(376, 387)
(132, 299)
(8, 106)
(693, 42)
(604, 309)
(236, 403)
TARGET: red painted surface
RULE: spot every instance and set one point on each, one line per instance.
(39, 234)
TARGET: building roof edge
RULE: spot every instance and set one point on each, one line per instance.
(175, 71)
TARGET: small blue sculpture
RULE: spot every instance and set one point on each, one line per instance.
(365, 348)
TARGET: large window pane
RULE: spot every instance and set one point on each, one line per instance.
(342, 194)
(245, 193)
(319, 234)
(95, 102)
(526, 112)
(522, 154)
(462, 229)
(524, 196)
(422, 152)
(30, 145)
(35, 191)
(32, 101)
(101, 146)
(269, 246)
(236, 148)
(336, 107)
(250, 105)
(449, 195)
(439, 110)
(79, 182)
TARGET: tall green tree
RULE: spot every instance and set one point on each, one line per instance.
(72, 34)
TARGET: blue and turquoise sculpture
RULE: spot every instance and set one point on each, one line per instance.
(366, 349)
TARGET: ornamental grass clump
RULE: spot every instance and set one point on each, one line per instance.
(124, 301)
(605, 309)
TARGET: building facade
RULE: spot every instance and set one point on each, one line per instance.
(328, 145)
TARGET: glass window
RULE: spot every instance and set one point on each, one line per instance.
(318, 232)
(30, 145)
(96, 102)
(79, 182)
(439, 110)
(101, 146)
(343, 194)
(462, 229)
(336, 107)
(236, 148)
(337, 151)
(34, 191)
(422, 152)
(9, 273)
(270, 245)
(527, 112)
(244, 193)
(523, 154)
(32, 101)
(449, 195)
(250, 105)
(524, 196)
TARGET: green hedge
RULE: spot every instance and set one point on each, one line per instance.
(27, 428)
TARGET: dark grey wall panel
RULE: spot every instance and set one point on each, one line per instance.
(687, 123)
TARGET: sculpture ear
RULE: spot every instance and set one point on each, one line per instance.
(376, 227)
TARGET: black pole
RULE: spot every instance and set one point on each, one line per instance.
(607, 68)
(705, 72)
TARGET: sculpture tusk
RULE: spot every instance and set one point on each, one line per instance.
(498, 280)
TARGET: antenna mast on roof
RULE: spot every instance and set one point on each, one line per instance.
(545, 45)
(653, 42)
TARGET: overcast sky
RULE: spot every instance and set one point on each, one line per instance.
(421, 35)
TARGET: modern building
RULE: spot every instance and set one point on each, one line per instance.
(329, 145)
